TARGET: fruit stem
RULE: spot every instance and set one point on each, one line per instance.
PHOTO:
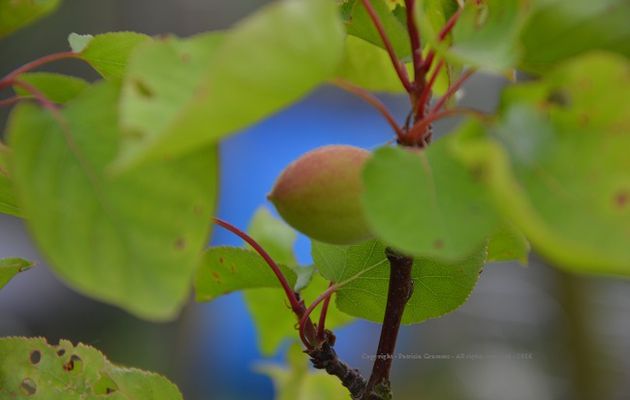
(398, 294)
(9, 79)
(371, 100)
(401, 71)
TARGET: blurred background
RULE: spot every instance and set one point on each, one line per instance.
(526, 333)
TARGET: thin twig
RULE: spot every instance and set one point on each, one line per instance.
(446, 29)
(371, 100)
(13, 100)
(11, 76)
(426, 91)
(398, 65)
(452, 89)
(293, 300)
(321, 326)
(416, 44)
(326, 294)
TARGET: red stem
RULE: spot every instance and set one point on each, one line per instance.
(373, 101)
(321, 326)
(446, 29)
(398, 66)
(10, 77)
(452, 89)
(426, 91)
(12, 100)
(417, 129)
(414, 38)
(295, 303)
(39, 96)
(326, 294)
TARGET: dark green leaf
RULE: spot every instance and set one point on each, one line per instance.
(31, 369)
(133, 240)
(9, 267)
(427, 203)
(362, 274)
(15, 14)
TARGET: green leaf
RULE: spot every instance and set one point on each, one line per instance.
(486, 35)
(31, 369)
(227, 269)
(427, 203)
(362, 274)
(108, 53)
(560, 29)
(9, 267)
(508, 244)
(15, 14)
(265, 63)
(132, 240)
(56, 87)
(274, 327)
(162, 76)
(8, 201)
(78, 42)
(296, 382)
(558, 167)
(360, 24)
(368, 66)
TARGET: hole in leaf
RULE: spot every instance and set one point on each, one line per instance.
(143, 89)
(28, 387)
(35, 357)
(72, 363)
(61, 352)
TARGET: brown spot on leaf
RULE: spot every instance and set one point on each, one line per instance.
(216, 276)
(69, 366)
(109, 390)
(185, 58)
(622, 199)
(144, 90)
(61, 352)
(221, 260)
(35, 357)
(559, 98)
(28, 387)
(198, 210)
(438, 244)
(180, 244)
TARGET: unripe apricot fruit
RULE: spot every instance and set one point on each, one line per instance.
(319, 194)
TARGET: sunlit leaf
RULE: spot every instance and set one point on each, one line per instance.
(133, 240)
(9, 267)
(266, 62)
(560, 29)
(558, 166)
(108, 53)
(31, 369)
(362, 274)
(15, 14)
(56, 87)
(427, 203)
